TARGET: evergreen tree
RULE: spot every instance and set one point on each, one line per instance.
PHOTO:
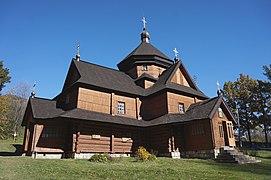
(267, 71)
(240, 93)
(4, 78)
(263, 106)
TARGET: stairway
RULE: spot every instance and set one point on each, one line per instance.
(231, 155)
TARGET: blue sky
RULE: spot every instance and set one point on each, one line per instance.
(217, 40)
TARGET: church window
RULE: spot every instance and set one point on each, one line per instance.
(144, 68)
(121, 107)
(181, 108)
(220, 113)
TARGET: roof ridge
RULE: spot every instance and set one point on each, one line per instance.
(42, 98)
(105, 67)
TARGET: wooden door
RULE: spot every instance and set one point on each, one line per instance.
(225, 130)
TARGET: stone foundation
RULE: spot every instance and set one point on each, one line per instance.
(203, 154)
(89, 155)
(173, 155)
(47, 156)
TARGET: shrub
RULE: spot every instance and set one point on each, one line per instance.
(143, 154)
(98, 158)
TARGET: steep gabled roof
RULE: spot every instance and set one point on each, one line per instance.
(164, 82)
(199, 111)
(113, 80)
(99, 76)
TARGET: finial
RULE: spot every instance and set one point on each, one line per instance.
(144, 23)
(176, 55)
(219, 91)
(145, 36)
(33, 90)
(78, 52)
(218, 85)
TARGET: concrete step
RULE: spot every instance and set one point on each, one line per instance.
(231, 155)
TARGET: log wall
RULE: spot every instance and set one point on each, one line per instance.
(160, 139)
(105, 138)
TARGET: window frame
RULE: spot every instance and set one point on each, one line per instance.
(121, 107)
(144, 68)
(179, 108)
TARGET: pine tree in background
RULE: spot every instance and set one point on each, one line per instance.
(4, 78)
(240, 93)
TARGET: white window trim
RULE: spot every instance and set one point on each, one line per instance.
(179, 105)
(121, 109)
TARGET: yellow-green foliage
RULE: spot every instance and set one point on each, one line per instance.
(143, 154)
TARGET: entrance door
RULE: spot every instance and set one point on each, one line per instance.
(225, 129)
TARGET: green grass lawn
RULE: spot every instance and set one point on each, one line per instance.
(16, 167)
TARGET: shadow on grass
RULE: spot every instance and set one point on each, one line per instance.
(262, 168)
(18, 151)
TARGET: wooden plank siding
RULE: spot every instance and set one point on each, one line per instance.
(220, 133)
(154, 106)
(107, 102)
(174, 100)
(198, 135)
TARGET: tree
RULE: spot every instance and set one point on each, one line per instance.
(5, 124)
(263, 102)
(4, 78)
(263, 105)
(267, 71)
(17, 98)
(12, 108)
(240, 93)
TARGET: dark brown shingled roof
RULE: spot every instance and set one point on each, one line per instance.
(99, 76)
(146, 76)
(145, 49)
(164, 82)
(145, 53)
(101, 117)
(114, 80)
(46, 109)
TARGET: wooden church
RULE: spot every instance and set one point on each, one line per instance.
(151, 101)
